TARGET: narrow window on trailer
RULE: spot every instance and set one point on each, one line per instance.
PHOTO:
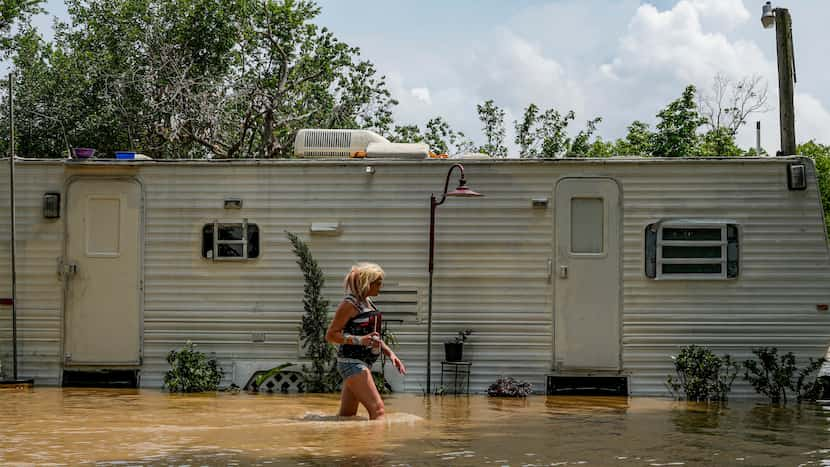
(691, 250)
(230, 241)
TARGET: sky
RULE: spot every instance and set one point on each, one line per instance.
(622, 60)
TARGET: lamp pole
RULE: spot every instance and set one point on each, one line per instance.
(461, 190)
(786, 72)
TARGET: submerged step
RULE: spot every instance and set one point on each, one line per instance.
(586, 385)
(100, 378)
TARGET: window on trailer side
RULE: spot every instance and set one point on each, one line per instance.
(235, 241)
(691, 250)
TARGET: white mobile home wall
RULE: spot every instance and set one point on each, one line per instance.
(491, 263)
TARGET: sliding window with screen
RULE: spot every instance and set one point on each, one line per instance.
(690, 249)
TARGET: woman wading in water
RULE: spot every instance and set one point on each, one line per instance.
(356, 327)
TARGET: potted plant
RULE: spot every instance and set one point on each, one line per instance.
(454, 350)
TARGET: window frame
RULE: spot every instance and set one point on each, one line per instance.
(244, 241)
(724, 259)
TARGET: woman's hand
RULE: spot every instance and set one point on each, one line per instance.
(371, 339)
(398, 364)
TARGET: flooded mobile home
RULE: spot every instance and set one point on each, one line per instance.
(564, 268)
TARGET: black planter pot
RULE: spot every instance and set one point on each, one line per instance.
(453, 351)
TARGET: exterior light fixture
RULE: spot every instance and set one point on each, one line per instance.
(370, 170)
(461, 191)
(51, 205)
(796, 176)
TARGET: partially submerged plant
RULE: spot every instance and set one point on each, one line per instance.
(775, 376)
(702, 376)
(192, 371)
(509, 387)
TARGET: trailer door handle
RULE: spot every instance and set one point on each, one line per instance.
(563, 272)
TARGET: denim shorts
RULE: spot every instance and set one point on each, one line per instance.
(349, 368)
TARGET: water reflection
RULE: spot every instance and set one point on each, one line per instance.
(139, 427)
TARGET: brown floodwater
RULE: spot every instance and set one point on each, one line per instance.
(149, 427)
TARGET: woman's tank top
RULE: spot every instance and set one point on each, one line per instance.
(366, 321)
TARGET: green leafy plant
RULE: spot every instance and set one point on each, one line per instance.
(462, 336)
(322, 376)
(776, 376)
(509, 387)
(192, 371)
(701, 375)
(261, 378)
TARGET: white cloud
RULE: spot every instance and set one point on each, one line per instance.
(812, 119)
(422, 94)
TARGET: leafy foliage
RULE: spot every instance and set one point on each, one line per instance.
(637, 142)
(273, 371)
(677, 129)
(492, 121)
(820, 153)
(12, 11)
(322, 376)
(509, 387)
(462, 336)
(191, 371)
(776, 376)
(702, 376)
(545, 134)
(193, 78)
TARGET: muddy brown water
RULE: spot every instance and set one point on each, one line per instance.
(148, 427)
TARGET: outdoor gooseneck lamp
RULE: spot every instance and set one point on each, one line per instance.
(461, 191)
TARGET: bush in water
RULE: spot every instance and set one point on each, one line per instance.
(509, 387)
(702, 376)
(775, 376)
(192, 371)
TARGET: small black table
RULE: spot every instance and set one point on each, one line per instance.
(455, 368)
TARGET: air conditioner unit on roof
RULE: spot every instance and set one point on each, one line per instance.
(344, 144)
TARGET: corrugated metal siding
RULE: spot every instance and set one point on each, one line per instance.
(783, 260)
(490, 260)
(490, 265)
(39, 291)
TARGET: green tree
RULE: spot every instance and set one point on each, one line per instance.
(492, 121)
(719, 142)
(443, 139)
(676, 134)
(12, 11)
(406, 134)
(194, 78)
(637, 142)
(602, 148)
(820, 153)
(545, 134)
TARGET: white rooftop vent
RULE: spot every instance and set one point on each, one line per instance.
(344, 144)
(334, 144)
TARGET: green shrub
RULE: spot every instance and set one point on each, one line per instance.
(191, 371)
(322, 376)
(702, 376)
(776, 377)
(509, 387)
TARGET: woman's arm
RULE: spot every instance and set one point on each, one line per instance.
(344, 313)
(393, 358)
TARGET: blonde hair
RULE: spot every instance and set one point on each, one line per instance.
(360, 278)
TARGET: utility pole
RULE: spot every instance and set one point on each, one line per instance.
(786, 73)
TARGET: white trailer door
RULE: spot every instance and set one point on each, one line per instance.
(102, 271)
(587, 275)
